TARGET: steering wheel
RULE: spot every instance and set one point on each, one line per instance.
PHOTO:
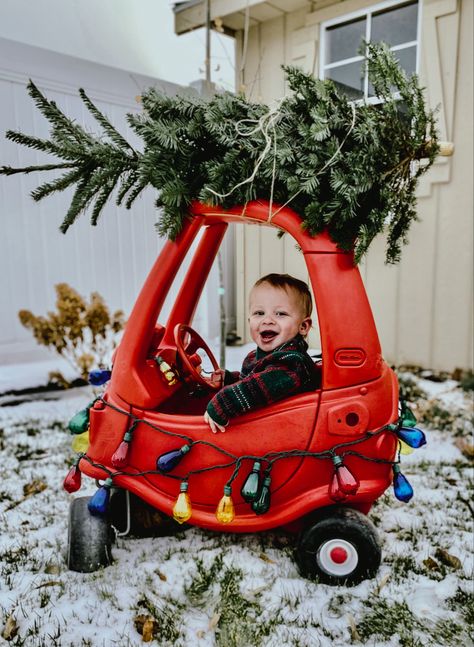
(187, 349)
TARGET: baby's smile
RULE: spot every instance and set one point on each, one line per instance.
(268, 335)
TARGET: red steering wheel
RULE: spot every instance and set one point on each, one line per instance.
(187, 348)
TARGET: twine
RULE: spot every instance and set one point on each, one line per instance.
(265, 124)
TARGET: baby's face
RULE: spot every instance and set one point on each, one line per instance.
(276, 316)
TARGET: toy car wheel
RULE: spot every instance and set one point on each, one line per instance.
(341, 547)
(89, 539)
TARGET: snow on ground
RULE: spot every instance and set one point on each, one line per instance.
(206, 589)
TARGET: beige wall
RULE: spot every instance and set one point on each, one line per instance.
(423, 306)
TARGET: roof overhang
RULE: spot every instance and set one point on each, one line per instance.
(230, 15)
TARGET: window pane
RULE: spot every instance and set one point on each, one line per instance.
(343, 41)
(407, 59)
(348, 78)
(395, 26)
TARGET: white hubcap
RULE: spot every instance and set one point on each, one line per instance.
(337, 557)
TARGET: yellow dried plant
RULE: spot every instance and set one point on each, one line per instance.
(84, 334)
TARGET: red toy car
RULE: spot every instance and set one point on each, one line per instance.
(317, 460)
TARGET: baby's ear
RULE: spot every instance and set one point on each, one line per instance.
(305, 326)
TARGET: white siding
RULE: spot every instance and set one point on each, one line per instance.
(112, 258)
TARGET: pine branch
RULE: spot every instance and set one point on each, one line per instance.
(114, 135)
(60, 184)
(8, 170)
(348, 168)
(54, 115)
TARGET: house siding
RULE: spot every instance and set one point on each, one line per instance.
(422, 306)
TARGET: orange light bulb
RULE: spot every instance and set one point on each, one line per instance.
(182, 508)
(225, 511)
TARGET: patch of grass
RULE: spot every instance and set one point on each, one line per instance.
(409, 388)
(240, 623)
(166, 614)
(204, 579)
(449, 632)
(384, 620)
(410, 534)
(402, 567)
(435, 415)
(463, 601)
(467, 381)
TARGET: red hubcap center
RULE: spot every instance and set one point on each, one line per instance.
(338, 554)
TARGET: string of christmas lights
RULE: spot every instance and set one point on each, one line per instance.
(256, 488)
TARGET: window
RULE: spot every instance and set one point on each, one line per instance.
(395, 23)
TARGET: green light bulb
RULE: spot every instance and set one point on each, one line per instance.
(251, 488)
(262, 504)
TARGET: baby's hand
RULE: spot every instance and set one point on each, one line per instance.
(217, 377)
(215, 427)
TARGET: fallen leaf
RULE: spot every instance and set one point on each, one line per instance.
(214, 621)
(431, 564)
(353, 627)
(52, 569)
(35, 487)
(465, 447)
(447, 559)
(266, 558)
(148, 629)
(200, 633)
(10, 629)
(50, 583)
(382, 583)
(146, 626)
(161, 575)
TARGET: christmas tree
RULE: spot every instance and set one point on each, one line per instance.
(350, 168)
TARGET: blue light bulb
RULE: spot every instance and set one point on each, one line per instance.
(99, 376)
(412, 436)
(99, 502)
(401, 487)
(167, 462)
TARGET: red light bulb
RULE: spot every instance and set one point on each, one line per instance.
(119, 458)
(72, 482)
(347, 481)
(335, 492)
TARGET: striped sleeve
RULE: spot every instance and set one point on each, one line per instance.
(287, 374)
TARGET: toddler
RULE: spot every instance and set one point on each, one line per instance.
(279, 319)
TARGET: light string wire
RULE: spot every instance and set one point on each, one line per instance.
(269, 458)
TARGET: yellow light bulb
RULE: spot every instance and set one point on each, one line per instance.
(405, 449)
(225, 511)
(80, 442)
(182, 508)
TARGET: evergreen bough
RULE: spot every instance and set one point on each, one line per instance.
(350, 168)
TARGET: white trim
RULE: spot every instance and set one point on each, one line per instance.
(368, 13)
(387, 4)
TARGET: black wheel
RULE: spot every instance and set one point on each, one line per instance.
(340, 546)
(89, 539)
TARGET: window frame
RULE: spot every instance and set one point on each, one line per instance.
(367, 12)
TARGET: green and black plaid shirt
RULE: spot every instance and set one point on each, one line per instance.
(265, 378)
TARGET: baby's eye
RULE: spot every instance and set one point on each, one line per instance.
(258, 313)
(281, 313)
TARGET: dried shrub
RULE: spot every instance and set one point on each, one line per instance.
(84, 334)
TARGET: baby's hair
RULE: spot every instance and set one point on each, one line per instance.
(286, 282)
